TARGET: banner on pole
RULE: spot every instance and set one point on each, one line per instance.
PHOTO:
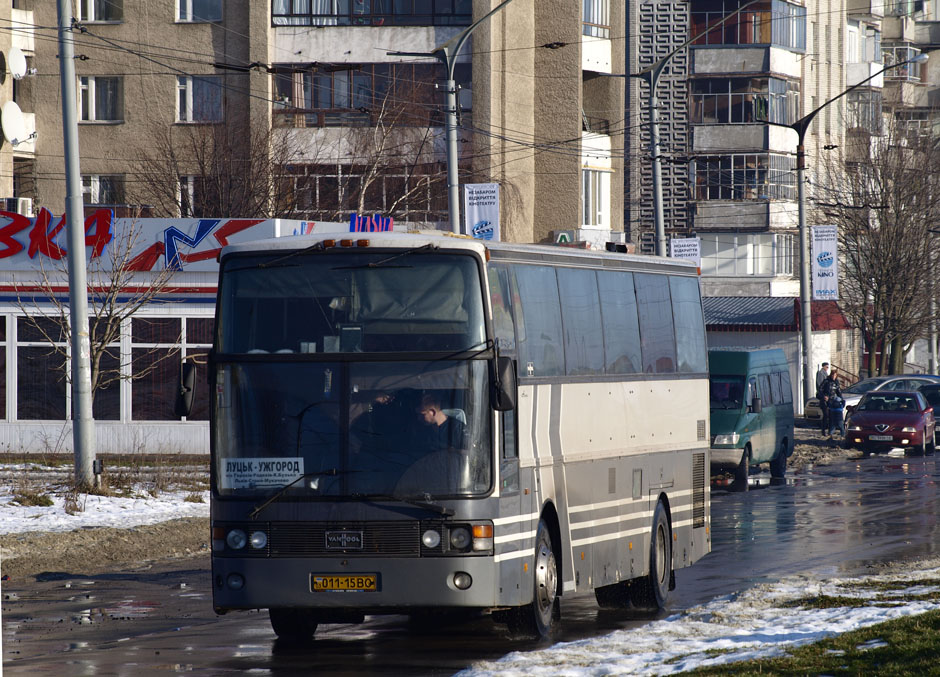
(481, 210)
(686, 248)
(825, 263)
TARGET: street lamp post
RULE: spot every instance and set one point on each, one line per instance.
(447, 54)
(806, 311)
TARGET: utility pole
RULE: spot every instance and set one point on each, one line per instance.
(447, 54)
(83, 423)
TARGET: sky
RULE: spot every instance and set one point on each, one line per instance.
(754, 623)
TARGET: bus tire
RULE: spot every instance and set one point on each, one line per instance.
(652, 591)
(536, 619)
(292, 625)
(778, 465)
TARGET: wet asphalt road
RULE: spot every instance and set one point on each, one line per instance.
(841, 519)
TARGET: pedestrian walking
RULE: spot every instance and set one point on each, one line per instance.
(821, 377)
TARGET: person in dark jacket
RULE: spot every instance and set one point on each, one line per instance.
(444, 432)
(833, 402)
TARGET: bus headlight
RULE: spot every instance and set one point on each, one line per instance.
(258, 539)
(431, 538)
(236, 539)
(727, 439)
(460, 538)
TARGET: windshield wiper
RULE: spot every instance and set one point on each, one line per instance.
(427, 505)
(378, 264)
(332, 472)
(317, 246)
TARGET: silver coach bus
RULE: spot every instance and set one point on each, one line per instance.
(414, 422)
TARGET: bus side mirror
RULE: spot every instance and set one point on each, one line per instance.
(756, 405)
(504, 384)
(187, 386)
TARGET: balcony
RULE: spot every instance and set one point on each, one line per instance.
(865, 9)
(746, 59)
(859, 72)
(22, 23)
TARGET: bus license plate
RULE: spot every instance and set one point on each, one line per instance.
(881, 438)
(343, 583)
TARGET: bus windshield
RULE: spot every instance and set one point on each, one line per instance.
(351, 301)
(406, 429)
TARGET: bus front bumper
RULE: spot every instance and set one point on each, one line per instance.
(399, 584)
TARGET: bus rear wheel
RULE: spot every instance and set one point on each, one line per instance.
(535, 619)
(778, 464)
(741, 472)
(292, 625)
(652, 591)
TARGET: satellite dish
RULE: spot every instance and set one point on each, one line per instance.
(12, 123)
(17, 63)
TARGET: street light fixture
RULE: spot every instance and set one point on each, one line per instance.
(806, 311)
(447, 54)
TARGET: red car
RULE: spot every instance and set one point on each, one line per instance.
(883, 420)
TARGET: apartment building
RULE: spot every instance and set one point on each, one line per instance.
(184, 105)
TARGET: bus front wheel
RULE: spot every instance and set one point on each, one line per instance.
(292, 625)
(536, 618)
(652, 591)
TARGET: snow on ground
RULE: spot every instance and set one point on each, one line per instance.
(96, 511)
(744, 626)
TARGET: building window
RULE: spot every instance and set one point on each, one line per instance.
(414, 193)
(41, 382)
(733, 254)
(595, 195)
(100, 99)
(100, 189)
(199, 10)
(362, 94)
(371, 12)
(895, 54)
(744, 176)
(772, 22)
(863, 110)
(918, 123)
(100, 10)
(199, 98)
(195, 197)
(744, 100)
(595, 18)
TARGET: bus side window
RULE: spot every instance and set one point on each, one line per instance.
(509, 455)
(501, 302)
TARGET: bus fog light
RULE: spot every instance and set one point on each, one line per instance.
(258, 540)
(235, 581)
(460, 538)
(462, 580)
(236, 539)
(431, 538)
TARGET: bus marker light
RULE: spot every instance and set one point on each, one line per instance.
(329, 243)
(631, 545)
(362, 243)
(345, 243)
(525, 566)
(235, 581)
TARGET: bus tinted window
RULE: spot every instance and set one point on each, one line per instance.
(584, 337)
(501, 302)
(687, 311)
(621, 326)
(656, 327)
(350, 302)
(540, 349)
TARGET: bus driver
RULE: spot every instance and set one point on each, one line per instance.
(444, 432)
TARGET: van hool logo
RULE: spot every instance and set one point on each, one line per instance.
(825, 259)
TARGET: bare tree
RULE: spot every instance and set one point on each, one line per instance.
(216, 170)
(882, 192)
(117, 290)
